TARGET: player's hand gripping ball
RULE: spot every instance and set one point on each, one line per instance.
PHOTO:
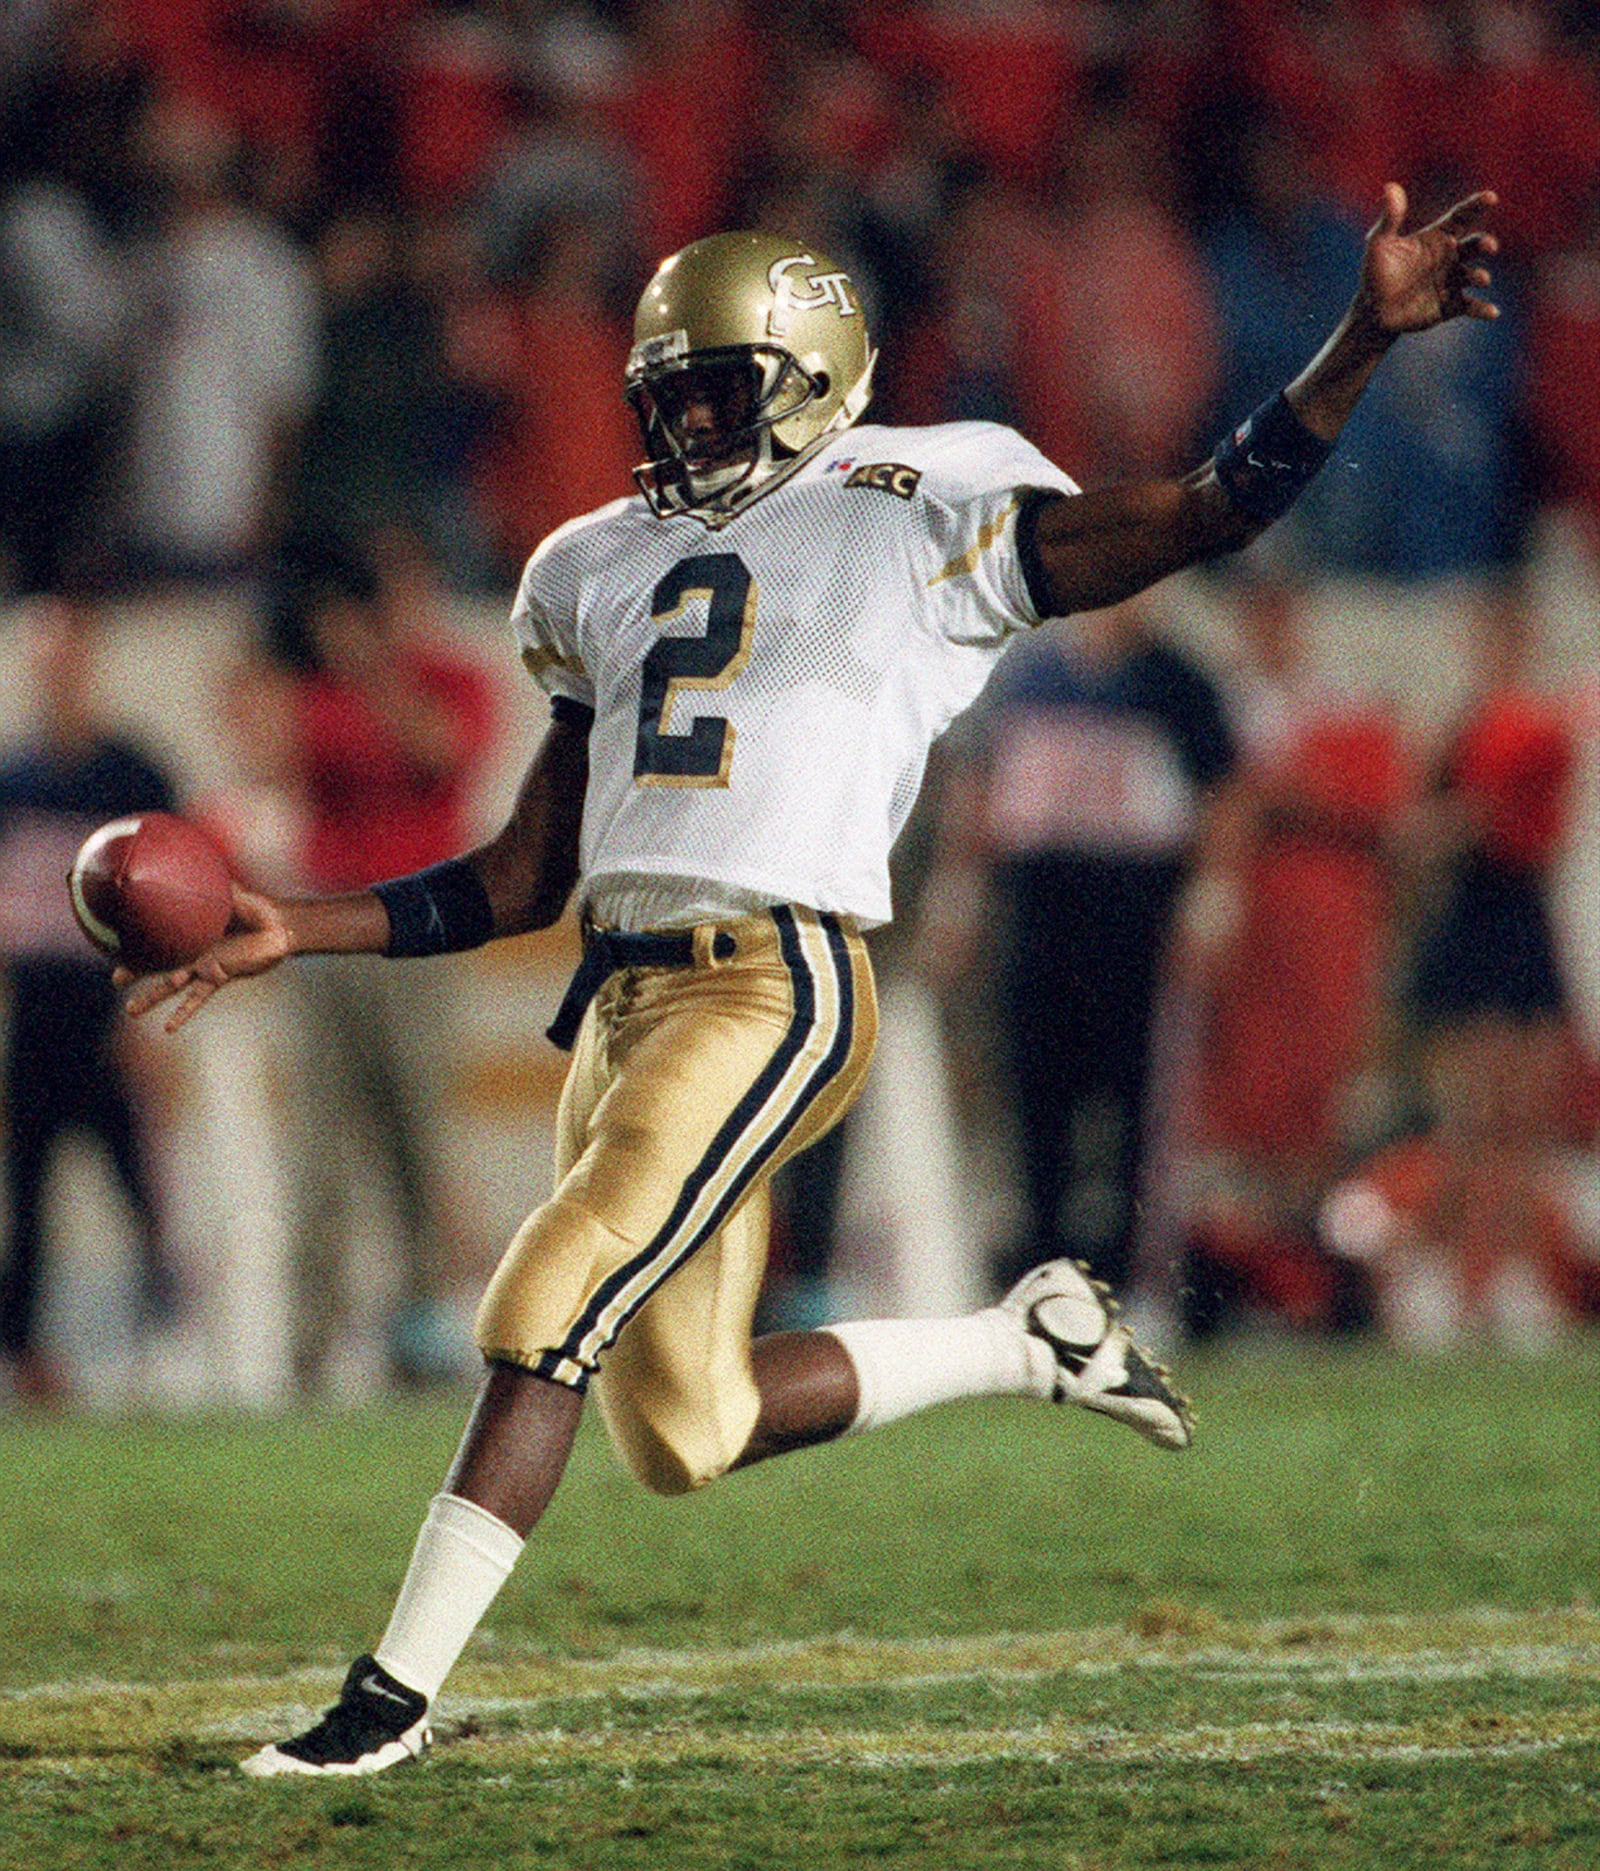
(153, 892)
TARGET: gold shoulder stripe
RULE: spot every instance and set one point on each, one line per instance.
(988, 533)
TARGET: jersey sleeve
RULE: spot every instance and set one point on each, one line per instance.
(975, 483)
(544, 622)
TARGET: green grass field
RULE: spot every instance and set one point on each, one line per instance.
(1356, 1627)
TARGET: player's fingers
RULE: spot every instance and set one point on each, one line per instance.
(1464, 210)
(204, 978)
(150, 990)
(1393, 212)
(207, 974)
(1479, 241)
(199, 993)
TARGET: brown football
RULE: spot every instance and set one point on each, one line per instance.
(151, 891)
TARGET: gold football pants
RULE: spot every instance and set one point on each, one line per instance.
(688, 1087)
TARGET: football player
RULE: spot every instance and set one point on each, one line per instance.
(747, 664)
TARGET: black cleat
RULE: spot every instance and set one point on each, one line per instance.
(376, 1723)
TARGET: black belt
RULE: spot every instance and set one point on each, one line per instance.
(605, 952)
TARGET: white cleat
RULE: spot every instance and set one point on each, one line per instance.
(376, 1723)
(1099, 1364)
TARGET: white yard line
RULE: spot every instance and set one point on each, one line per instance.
(1055, 1741)
(58, 1726)
(1456, 1645)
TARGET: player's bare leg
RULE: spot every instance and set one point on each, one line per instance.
(514, 1449)
(512, 1455)
(1055, 1335)
(809, 1393)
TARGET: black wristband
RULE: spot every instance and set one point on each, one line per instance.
(1269, 460)
(439, 911)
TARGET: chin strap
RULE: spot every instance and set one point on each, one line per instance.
(850, 409)
(767, 471)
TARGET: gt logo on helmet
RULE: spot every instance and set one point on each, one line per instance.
(826, 289)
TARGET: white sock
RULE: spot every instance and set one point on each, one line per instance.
(463, 1555)
(904, 1365)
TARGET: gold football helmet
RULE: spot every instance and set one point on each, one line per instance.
(749, 350)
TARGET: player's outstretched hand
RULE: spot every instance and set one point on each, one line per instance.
(1410, 282)
(257, 940)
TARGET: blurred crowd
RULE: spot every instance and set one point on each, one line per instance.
(325, 304)
(1279, 1002)
(285, 266)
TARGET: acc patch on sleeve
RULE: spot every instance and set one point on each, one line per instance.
(891, 476)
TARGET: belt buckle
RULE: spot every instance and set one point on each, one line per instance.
(714, 946)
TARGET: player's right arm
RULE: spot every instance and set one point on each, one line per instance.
(1099, 548)
(519, 880)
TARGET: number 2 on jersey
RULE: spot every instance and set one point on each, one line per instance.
(701, 755)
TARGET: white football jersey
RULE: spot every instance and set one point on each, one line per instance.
(765, 693)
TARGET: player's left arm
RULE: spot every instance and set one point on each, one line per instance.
(519, 880)
(529, 869)
(1096, 549)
